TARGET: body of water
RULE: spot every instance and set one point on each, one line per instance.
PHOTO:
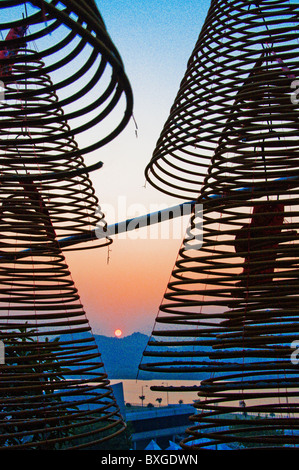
(133, 389)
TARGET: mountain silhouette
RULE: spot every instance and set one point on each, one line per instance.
(122, 356)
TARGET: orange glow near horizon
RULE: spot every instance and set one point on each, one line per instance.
(129, 288)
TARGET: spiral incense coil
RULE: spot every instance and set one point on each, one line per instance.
(229, 318)
(69, 198)
(252, 400)
(236, 37)
(54, 390)
(86, 73)
(230, 311)
(55, 393)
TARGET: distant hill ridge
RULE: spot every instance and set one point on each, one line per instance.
(122, 356)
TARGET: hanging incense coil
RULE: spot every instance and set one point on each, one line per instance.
(86, 73)
(228, 320)
(54, 390)
(252, 399)
(231, 307)
(257, 157)
(232, 41)
(69, 198)
(55, 393)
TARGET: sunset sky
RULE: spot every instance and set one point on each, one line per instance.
(155, 39)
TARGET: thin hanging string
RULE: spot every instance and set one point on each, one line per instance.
(109, 250)
(136, 126)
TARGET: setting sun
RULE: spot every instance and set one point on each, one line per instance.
(118, 333)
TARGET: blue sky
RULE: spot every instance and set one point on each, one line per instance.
(155, 39)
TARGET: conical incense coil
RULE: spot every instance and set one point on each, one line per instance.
(54, 390)
(44, 171)
(229, 317)
(254, 401)
(234, 38)
(86, 70)
(232, 305)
